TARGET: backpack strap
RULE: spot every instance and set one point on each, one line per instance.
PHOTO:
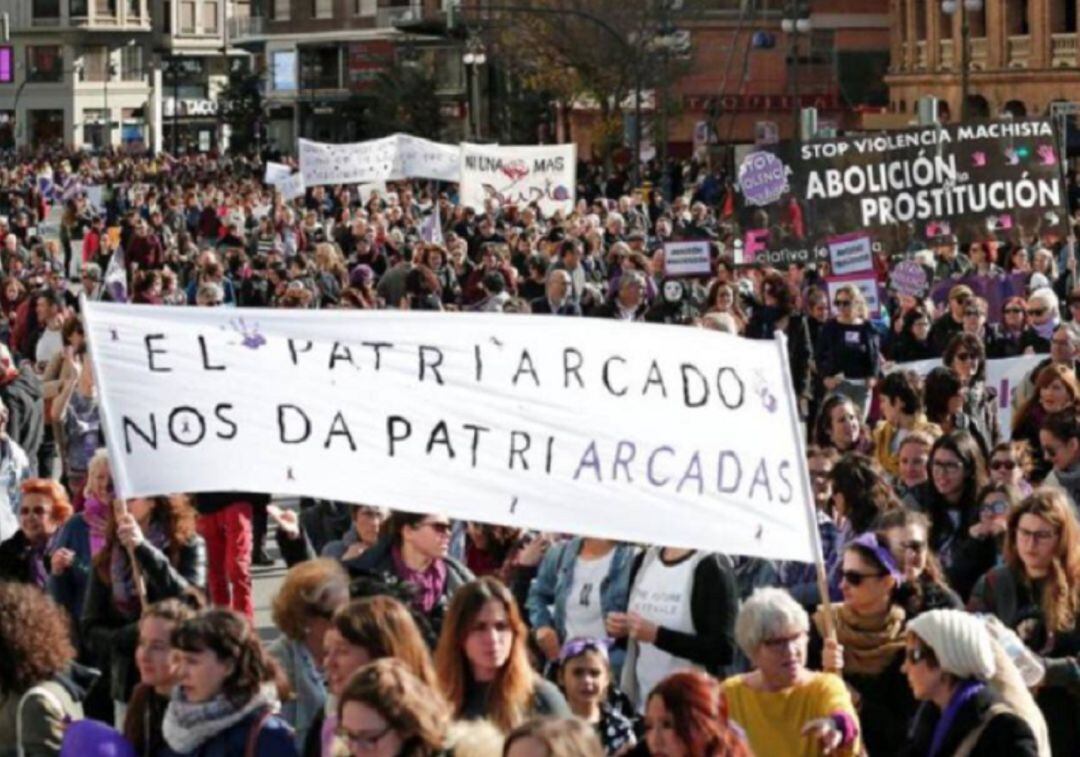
(51, 698)
(254, 731)
(968, 744)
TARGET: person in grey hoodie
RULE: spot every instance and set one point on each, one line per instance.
(1060, 439)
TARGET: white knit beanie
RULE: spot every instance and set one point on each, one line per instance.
(960, 642)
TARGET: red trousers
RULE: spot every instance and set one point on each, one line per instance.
(228, 538)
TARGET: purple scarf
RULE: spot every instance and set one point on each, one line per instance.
(964, 693)
(429, 583)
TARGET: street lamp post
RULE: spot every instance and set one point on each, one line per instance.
(475, 56)
(793, 25)
(963, 7)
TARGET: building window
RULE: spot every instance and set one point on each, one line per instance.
(166, 16)
(131, 63)
(105, 8)
(46, 9)
(94, 62)
(187, 16)
(320, 67)
(322, 8)
(366, 7)
(94, 127)
(283, 70)
(7, 65)
(280, 10)
(45, 63)
(210, 17)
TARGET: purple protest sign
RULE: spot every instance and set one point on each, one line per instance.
(994, 289)
(908, 279)
(762, 178)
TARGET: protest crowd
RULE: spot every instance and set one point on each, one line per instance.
(951, 536)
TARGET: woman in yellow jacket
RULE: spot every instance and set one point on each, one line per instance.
(902, 407)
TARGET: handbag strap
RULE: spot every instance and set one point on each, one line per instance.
(254, 731)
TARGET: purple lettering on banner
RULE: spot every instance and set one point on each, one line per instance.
(763, 178)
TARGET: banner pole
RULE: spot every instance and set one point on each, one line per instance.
(809, 508)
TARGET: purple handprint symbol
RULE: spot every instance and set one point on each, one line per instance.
(1047, 155)
(978, 159)
(252, 339)
(1012, 157)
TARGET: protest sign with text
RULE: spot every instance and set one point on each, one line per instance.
(690, 257)
(851, 253)
(351, 163)
(633, 432)
(517, 174)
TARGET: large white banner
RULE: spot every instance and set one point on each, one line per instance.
(350, 163)
(399, 156)
(640, 432)
(514, 174)
(1005, 375)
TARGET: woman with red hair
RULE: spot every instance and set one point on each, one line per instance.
(44, 508)
(686, 716)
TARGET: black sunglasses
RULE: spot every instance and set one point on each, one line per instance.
(855, 578)
(842, 303)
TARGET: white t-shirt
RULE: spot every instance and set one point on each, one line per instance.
(584, 616)
(49, 345)
(661, 593)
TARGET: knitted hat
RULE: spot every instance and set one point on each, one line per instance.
(960, 642)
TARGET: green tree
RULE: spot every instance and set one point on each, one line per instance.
(404, 99)
(240, 105)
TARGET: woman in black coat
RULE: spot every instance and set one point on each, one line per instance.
(778, 313)
(170, 560)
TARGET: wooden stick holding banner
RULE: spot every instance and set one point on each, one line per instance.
(807, 490)
(120, 496)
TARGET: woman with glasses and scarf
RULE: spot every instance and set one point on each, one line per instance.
(1037, 594)
(949, 659)
(869, 647)
(924, 588)
(848, 349)
(957, 475)
(1057, 390)
(415, 551)
(965, 356)
(784, 707)
(1044, 315)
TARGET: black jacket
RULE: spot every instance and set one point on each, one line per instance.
(15, 554)
(378, 561)
(542, 306)
(109, 635)
(26, 412)
(763, 324)
(1005, 735)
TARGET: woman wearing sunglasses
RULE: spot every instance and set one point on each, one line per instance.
(1014, 334)
(1043, 316)
(1060, 437)
(949, 662)
(1010, 463)
(27, 556)
(1056, 391)
(848, 348)
(907, 533)
(869, 648)
(1037, 594)
(966, 358)
(414, 551)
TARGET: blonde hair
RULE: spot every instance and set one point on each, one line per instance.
(100, 458)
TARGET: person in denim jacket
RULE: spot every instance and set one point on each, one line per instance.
(565, 602)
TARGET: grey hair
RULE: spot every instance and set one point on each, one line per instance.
(769, 611)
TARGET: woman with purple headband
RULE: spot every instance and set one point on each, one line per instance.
(869, 647)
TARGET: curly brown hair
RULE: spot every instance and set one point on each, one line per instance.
(27, 618)
(311, 589)
(174, 512)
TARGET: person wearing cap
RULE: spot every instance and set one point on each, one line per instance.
(952, 322)
(784, 707)
(948, 659)
(869, 647)
(951, 263)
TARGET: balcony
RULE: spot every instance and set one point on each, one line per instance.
(84, 15)
(920, 55)
(245, 28)
(1018, 52)
(1063, 51)
(945, 54)
(978, 48)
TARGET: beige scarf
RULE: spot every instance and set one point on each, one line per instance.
(871, 642)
